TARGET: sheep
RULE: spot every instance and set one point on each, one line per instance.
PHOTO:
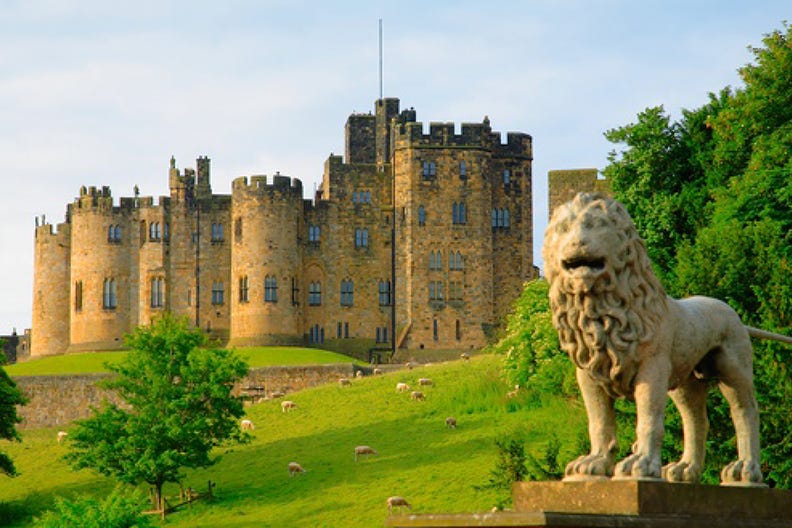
(364, 450)
(397, 502)
(287, 405)
(451, 422)
(359, 374)
(247, 425)
(424, 381)
(295, 468)
(377, 371)
(409, 365)
(417, 395)
(512, 394)
(402, 387)
(344, 381)
(277, 394)
(62, 436)
(465, 356)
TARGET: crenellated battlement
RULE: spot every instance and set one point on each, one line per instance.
(49, 230)
(258, 186)
(473, 135)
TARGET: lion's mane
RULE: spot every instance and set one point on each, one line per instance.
(602, 326)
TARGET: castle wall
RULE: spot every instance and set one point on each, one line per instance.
(563, 185)
(266, 254)
(51, 278)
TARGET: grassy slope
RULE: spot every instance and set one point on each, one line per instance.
(94, 361)
(433, 467)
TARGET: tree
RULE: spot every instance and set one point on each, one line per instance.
(177, 406)
(10, 397)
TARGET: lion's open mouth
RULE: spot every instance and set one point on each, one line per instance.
(595, 264)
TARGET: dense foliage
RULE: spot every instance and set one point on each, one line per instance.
(121, 509)
(712, 196)
(178, 406)
(10, 397)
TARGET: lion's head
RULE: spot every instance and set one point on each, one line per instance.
(605, 298)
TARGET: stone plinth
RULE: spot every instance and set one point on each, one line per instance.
(622, 504)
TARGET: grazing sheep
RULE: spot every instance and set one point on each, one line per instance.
(247, 425)
(424, 381)
(451, 422)
(344, 381)
(364, 450)
(287, 405)
(62, 436)
(417, 395)
(359, 374)
(377, 372)
(465, 356)
(512, 394)
(397, 502)
(295, 468)
(409, 365)
(402, 387)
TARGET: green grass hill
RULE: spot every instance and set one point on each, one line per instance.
(434, 467)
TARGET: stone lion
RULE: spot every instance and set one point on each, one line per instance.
(629, 339)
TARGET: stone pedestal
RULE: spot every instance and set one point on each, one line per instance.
(623, 504)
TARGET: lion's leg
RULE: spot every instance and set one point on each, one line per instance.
(691, 400)
(602, 432)
(651, 394)
(736, 384)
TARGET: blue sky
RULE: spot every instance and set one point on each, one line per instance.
(103, 93)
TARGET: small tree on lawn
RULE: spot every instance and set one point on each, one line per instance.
(178, 407)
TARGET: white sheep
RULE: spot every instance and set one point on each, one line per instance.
(409, 365)
(247, 425)
(377, 371)
(402, 387)
(364, 450)
(344, 381)
(424, 381)
(465, 356)
(512, 394)
(295, 468)
(359, 374)
(397, 502)
(451, 422)
(417, 396)
(62, 436)
(287, 405)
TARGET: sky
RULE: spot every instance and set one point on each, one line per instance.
(103, 93)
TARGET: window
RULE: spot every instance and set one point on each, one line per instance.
(361, 197)
(218, 293)
(367, 197)
(217, 233)
(313, 234)
(455, 261)
(361, 237)
(78, 296)
(316, 335)
(384, 293)
(243, 289)
(382, 334)
(421, 215)
(506, 177)
(462, 170)
(436, 290)
(157, 292)
(155, 233)
(295, 292)
(238, 229)
(315, 294)
(455, 291)
(458, 330)
(338, 332)
(166, 231)
(459, 213)
(429, 170)
(109, 300)
(347, 292)
(500, 219)
(435, 261)
(114, 234)
(346, 330)
(189, 297)
(271, 288)
(434, 330)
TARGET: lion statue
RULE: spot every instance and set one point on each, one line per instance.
(628, 339)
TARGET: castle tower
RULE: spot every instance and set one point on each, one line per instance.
(265, 261)
(51, 278)
(386, 110)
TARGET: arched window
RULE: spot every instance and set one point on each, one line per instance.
(270, 288)
(157, 292)
(421, 215)
(315, 294)
(109, 299)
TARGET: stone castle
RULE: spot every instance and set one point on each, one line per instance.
(422, 238)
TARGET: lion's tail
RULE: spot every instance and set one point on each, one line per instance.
(764, 334)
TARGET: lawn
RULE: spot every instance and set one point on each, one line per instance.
(88, 362)
(434, 467)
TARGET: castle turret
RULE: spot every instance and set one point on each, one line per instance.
(386, 110)
(266, 261)
(50, 330)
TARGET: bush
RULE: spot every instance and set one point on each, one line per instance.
(120, 509)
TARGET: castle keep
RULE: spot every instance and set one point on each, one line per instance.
(446, 214)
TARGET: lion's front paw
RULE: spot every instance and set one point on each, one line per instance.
(638, 466)
(589, 466)
(682, 472)
(742, 473)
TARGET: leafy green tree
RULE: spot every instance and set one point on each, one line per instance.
(10, 397)
(178, 406)
(120, 509)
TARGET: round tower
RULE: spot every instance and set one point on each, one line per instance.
(50, 326)
(100, 281)
(265, 261)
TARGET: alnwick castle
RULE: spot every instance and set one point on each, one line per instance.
(422, 238)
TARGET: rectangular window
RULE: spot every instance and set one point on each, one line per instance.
(429, 170)
(361, 237)
(455, 292)
(347, 293)
(217, 233)
(218, 293)
(238, 229)
(462, 170)
(295, 292)
(78, 296)
(314, 234)
(271, 288)
(243, 289)
(458, 330)
(157, 288)
(315, 294)
(384, 293)
(382, 334)
(338, 333)
(109, 301)
(434, 330)
(436, 290)
(346, 330)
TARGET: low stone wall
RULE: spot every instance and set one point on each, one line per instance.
(58, 400)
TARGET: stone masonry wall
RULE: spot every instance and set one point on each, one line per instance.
(56, 401)
(563, 185)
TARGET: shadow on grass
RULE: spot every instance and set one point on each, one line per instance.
(17, 513)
